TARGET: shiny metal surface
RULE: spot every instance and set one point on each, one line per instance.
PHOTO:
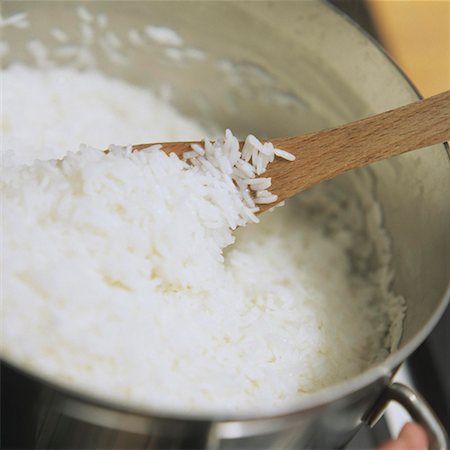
(55, 418)
(416, 407)
(275, 68)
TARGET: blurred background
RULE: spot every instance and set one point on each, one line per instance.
(416, 33)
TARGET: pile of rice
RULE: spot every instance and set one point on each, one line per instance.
(141, 276)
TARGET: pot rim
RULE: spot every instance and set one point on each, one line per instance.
(383, 370)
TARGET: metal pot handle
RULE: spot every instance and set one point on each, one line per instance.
(417, 408)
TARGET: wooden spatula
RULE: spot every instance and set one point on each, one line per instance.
(322, 155)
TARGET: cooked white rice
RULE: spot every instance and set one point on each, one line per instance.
(47, 113)
(122, 273)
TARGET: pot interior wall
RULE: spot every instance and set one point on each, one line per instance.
(273, 69)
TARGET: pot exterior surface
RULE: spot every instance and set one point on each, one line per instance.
(283, 68)
(40, 416)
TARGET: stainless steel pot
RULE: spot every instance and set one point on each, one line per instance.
(275, 68)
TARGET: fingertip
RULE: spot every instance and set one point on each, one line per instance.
(414, 436)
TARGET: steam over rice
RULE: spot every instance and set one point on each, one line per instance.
(124, 272)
